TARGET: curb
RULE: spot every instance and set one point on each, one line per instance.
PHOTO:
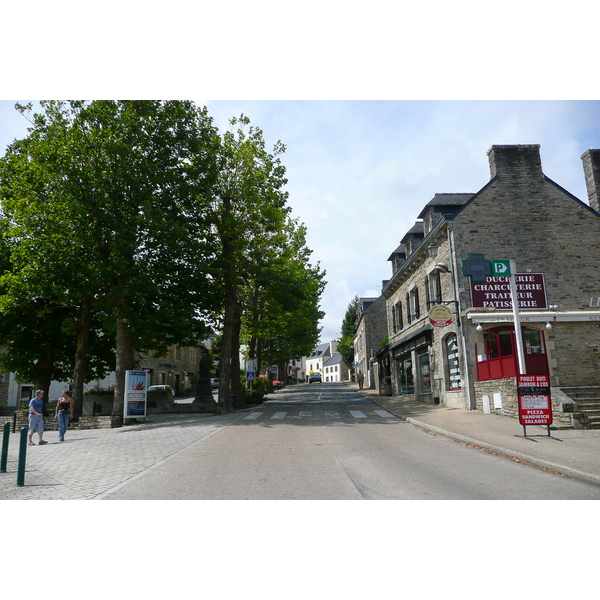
(510, 454)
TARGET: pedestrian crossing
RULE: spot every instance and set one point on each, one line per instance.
(280, 415)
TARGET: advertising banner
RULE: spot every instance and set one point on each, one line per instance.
(495, 292)
(135, 394)
(535, 406)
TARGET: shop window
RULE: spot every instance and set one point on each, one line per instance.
(424, 373)
(451, 347)
(498, 357)
(406, 385)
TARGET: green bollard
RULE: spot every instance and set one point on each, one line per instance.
(5, 447)
(22, 456)
(14, 422)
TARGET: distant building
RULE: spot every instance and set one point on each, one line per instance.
(371, 331)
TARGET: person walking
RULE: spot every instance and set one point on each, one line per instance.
(64, 412)
(360, 378)
(36, 419)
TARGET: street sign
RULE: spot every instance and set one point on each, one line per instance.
(249, 376)
(500, 268)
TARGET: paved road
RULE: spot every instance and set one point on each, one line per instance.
(325, 441)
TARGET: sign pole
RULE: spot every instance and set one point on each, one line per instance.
(516, 318)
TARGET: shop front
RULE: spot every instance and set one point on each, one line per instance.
(412, 365)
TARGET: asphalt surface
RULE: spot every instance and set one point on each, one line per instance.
(92, 464)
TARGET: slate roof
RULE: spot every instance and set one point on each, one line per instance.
(447, 200)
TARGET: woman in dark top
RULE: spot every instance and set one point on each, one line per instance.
(64, 412)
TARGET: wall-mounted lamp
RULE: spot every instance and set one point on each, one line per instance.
(479, 327)
(432, 249)
(548, 326)
(442, 267)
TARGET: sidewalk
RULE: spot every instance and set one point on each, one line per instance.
(92, 462)
(571, 452)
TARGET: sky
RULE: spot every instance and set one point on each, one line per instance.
(360, 171)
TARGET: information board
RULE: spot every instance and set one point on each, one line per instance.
(535, 406)
(135, 394)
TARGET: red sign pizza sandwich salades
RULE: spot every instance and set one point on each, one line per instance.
(535, 406)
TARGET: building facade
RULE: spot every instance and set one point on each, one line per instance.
(371, 331)
(470, 360)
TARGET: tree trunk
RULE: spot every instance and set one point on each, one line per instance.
(225, 399)
(237, 390)
(81, 356)
(124, 362)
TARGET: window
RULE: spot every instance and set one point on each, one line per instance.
(498, 357)
(435, 288)
(451, 347)
(412, 308)
(405, 376)
(424, 373)
(397, 316)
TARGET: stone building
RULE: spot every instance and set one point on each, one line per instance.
(371, 330)
(470, 361)
(177, 368)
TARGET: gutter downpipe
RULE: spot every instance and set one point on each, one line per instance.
(467, 378)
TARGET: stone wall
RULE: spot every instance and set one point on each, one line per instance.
(499, 397)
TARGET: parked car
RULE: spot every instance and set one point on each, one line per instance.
(314, 377)
(161, 388)
(277, 385)
(214, 382)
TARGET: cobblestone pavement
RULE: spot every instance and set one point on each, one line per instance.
(92, 462)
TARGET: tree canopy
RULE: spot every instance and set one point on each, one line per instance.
(136, 224)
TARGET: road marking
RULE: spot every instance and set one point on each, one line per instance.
(305, 413)
(331, 414)
(358, 414)
(253, 415)
(279, 415)
(385, 414)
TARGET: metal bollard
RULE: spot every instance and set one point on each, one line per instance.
(14, 422)
(22, 456)
(5, 438)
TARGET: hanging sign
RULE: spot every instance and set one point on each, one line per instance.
(535, 406)
(135, 394)
(440, 315)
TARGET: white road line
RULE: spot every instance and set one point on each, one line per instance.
(358, 414)
(332, 414)
(385, 414)
(305, 413)
(279, 415)
(253, 415)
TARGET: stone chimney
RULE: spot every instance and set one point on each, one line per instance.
(591, 171)
(518, 162)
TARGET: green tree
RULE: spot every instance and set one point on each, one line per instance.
(282, 316)
(346, 345)
(121, 188)
(249, 205)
